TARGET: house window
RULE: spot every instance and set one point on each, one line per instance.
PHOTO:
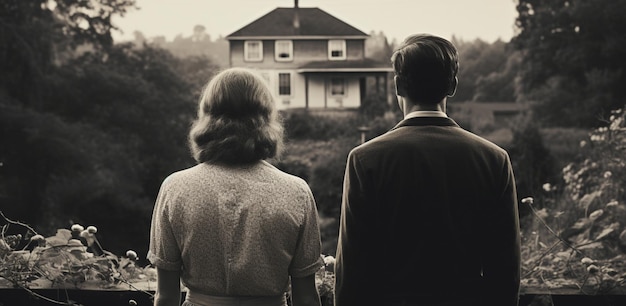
(283, 50)
(337, 87)
(284, 84)
(336, 49)
(253, 51)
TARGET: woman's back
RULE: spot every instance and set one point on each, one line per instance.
(240, 230)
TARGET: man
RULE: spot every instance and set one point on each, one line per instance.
(429, 213)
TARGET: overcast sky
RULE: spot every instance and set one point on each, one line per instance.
(488, 20)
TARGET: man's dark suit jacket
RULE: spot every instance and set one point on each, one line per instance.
(429, 213)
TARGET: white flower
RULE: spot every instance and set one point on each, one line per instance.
(92, 229)
(568, 168)
(586, 261)
(77, 228)
(131, 254)
(547, 187)
(607, 174)
(328, 260)
(583, 143)
(592, 269)
(86, 234)
(615, 125)
(612, 203)
(528, 200)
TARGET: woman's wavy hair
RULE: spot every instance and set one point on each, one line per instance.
(237, 121)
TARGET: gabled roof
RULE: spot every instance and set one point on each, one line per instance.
(313, 22)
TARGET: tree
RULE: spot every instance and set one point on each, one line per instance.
(499, 85)
(483, 69)
(36, 34)
(378, 48)
(114, 126)
(89, 129)
(573, 69)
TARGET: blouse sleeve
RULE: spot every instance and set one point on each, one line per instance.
(164, 251)
(308, 258)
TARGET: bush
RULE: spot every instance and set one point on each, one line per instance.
(578, 238)
(374, 105)
(563, 143)
(533, 164)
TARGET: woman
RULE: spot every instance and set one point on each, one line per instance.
(235, 229)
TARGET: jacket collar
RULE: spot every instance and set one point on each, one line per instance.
(424, 121)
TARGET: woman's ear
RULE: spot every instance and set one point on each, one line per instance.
(453, 86)
(401, 86)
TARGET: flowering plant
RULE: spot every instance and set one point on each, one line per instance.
(70, 259)
(578, 238)
(325, 278)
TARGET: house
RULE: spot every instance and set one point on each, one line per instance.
(310, 59)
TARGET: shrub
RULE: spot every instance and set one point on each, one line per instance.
(578, 238)
(374, 105)
(70, 259)
(533, 164)
(563, 143)
(303, 124)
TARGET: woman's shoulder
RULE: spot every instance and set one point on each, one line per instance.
(182, 176)
(287, 179)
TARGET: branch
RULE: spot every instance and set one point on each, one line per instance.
(18, 223)
(550, 229)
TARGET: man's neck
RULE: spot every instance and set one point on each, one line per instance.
(439, 107)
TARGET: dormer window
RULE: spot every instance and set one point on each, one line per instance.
(253, 51)
(337, 49)
(283, 50)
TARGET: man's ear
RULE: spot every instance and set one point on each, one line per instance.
(453, 86)
(401, 86)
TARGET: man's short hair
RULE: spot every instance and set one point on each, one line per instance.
(428, 65)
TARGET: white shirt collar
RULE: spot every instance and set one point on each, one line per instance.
(426, 114)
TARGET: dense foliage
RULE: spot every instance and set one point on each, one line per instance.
(37, 34)
(576, 237)
(572, 69)
(88, 128)
(486, 71)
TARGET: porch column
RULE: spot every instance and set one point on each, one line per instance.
(306, 91)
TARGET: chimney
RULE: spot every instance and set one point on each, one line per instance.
(296, 16)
